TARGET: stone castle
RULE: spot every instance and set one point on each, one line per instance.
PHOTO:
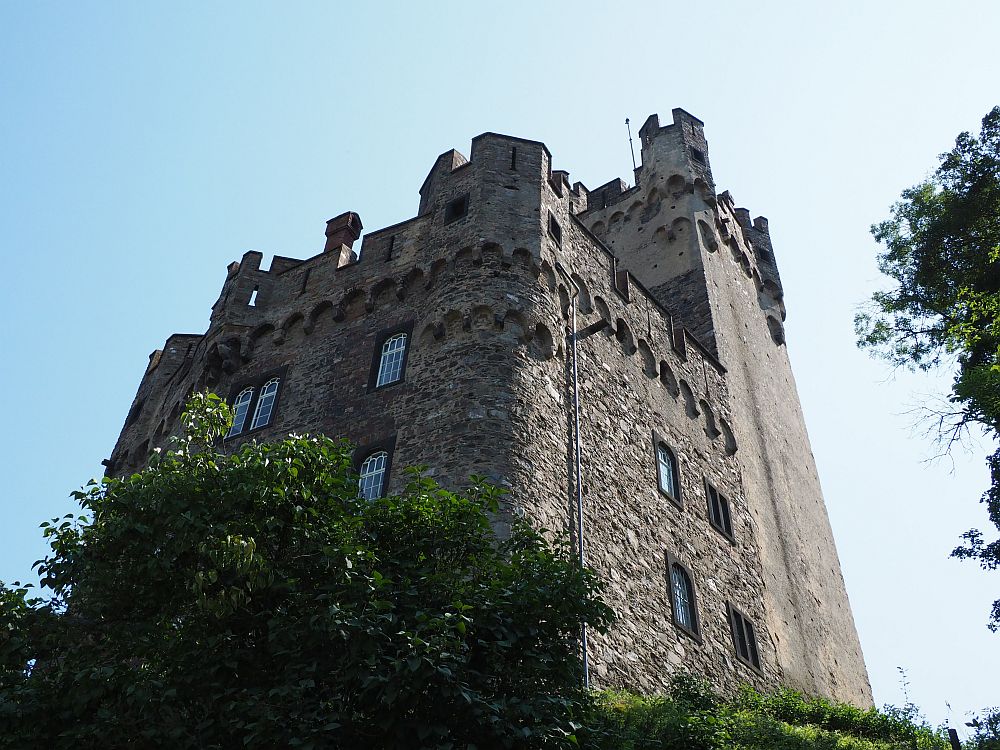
(618, 350)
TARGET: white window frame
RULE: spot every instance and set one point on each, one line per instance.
(241, 406)
(265, 404)
(371, 479)
(668, 471)
(392, 359)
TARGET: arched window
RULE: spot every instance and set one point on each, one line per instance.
(666, 470)
(390, 366)
(240, 408)
(682, 598)
(372, 473)
(265, 404)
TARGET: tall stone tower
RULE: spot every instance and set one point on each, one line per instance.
(715, 270)
(448, 341)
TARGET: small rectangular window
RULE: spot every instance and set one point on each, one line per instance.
(718, 511)
(698, 156)
(744, 638)
(253, 298)
(305, 280)
(513, 158)
(390, 248)
(555, 230)
(456, 209)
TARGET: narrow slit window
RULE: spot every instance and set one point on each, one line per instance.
(265, 404)
(666, 467)
(305, 280)
(240, 408)
(253, 298)
(391, 248)
(513, 158)
(372, 475)
(390, 366)
(555, 230)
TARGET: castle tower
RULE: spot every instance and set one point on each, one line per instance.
(704, 259)
(446, 342)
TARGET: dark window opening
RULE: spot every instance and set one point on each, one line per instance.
(513, 158)
(305, 280)
(456, 209)
(718, 511)
(744, 638)
(698, 155)
(134, 412)
(392, 246)
(555, 230)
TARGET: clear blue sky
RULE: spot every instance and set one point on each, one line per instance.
(143, 146)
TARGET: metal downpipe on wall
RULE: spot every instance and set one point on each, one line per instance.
(578, 460)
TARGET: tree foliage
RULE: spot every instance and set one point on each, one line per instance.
(253, 600)
(943, 254)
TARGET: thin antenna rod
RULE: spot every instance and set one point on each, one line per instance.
(630, 148)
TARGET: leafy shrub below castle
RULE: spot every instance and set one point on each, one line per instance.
(253, 600)
(693, 717)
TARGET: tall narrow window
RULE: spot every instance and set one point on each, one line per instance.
(554, 229)
(390, 366)
(265, 404)
(372, 479)
(682, 598)
(744, 638)
(240, 408)
(666, 469)
(718, 511)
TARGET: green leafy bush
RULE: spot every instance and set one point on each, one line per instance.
(254, 601)
(693, 717)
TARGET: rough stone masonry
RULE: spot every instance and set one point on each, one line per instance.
(702, 510)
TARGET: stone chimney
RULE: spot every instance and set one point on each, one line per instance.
(341, 231)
